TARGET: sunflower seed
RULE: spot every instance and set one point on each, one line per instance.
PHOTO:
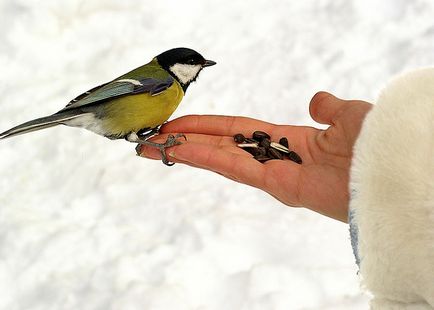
(273, 153)
(295, 157)
(256, 151)
(260, 135)
(247, 145)
(265, 142)
(239, 138)
(279, 147)
(284, 141)
(263, 149)
(250, 140)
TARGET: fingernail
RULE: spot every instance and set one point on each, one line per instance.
(172, 154)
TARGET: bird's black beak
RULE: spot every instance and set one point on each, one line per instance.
(208, 63)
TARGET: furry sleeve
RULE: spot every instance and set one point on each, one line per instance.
(392, 189)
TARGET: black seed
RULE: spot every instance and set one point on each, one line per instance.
(256, 151)
(239, 138)
(274, 154)
(265, 142)
(260, 135)
(262, 150)
(253, 150)
(294, 157)
(284, 141)
(262, 158)
(283, 154)
(250, 140)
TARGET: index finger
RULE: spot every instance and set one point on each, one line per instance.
(220, 125)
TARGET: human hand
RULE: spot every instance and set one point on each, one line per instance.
(319, 184)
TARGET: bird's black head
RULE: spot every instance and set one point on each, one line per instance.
(183, 64)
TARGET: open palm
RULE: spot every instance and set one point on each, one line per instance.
(320, 183)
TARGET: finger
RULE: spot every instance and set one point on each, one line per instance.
(226, 143)
(216, 125)
(297, 137)
(277, 177)
(324, 107)
(237, 167)
(198, 138)
(231, 125)
(154, 153)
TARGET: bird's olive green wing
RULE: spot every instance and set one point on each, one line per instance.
(121, 87)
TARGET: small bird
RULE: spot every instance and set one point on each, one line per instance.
(132, 106)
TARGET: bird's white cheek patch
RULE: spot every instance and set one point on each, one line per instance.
(185, 73)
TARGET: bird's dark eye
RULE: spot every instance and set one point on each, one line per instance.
(190, 62)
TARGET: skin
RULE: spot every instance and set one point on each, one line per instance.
(319, 184)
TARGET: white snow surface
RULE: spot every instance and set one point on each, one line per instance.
(86, 224)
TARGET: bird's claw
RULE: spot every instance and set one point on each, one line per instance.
(171, 140)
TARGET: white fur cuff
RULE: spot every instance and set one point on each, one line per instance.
(392, 186)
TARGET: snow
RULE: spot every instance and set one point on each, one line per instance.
(86, 224)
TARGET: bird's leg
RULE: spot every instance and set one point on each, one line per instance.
(170, 141)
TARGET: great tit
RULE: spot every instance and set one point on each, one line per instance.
(132, 106)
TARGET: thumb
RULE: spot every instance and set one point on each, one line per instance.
(324, 107)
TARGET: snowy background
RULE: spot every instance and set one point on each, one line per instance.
(85, 224)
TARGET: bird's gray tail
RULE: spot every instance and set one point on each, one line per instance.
(39, 123)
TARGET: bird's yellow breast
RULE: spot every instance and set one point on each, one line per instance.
(132, 113)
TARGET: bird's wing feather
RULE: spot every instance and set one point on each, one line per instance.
(85, 94)
(119, 88)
